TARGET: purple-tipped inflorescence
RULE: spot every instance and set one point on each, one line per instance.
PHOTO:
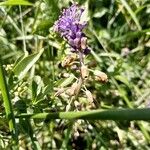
(70, 27)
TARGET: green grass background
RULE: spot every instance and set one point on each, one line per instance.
(118, 34)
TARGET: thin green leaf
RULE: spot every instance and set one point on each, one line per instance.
(16, 2)
(8, 105)
(65, 82)
(113, 114)
(123, 80)
(25, 64)
(131, 13)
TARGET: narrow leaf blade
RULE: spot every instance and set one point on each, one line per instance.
(25, 64)
(16, 2)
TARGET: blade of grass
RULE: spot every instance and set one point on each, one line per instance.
(130, 36)
(11, 21)
(8, 106)
(132, 14)
(102, 44)
(23, 32)
(16, 2)
(112, 114)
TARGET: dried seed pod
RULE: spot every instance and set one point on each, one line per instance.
(59, 91)
(72, 89)
(76, 103)
(89, 96)
(83, 42)
(74, 67)
(78, 87)
(84, 71)
(64, 75)
(68, 60)
(125, 51)
(100, 76)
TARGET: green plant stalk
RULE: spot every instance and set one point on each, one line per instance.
(112, 114)
(132, 14)
(8, 106)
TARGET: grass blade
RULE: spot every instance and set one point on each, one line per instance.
(16, 2)
(8, 105)
(132, 14)
(120, 114)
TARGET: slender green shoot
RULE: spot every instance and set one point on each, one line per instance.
(112, 114)
(8, 106)
(132, 14)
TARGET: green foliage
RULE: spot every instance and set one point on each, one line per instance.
(23, 66)
(8, 106)
(42, 90)
(16, 2)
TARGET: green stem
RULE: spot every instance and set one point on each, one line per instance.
(112, 114)
(131, 12)
(8, 106)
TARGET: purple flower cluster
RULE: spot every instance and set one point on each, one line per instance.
(70, 27)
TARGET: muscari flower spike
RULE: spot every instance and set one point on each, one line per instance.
(70, 27)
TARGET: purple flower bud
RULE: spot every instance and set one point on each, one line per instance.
(77, 42)
(70, 27)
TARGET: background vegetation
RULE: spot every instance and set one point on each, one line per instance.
(118, 34)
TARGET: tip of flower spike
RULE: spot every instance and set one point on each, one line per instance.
(100, 76)
(70, 26)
